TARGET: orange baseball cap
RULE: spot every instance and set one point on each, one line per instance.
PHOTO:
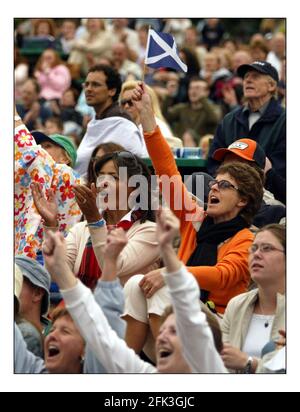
(247, 149)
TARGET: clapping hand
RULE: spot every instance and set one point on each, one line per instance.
(47, 208)
(86, 200)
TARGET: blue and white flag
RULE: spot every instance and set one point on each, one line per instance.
(162, 51)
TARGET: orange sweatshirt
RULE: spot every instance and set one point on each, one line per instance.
(230, 276)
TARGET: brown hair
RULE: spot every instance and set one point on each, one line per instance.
(279, 231)
(211, 320)
(250, 186)
(107, 148)
(51, 25)
(57, 60)
(59, 312)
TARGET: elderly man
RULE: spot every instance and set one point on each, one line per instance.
(262, 119)
(111, 123)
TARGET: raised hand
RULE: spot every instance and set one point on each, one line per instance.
(47, 208)
(142, 102)
(55, 257)
(167, 227)
(116, 241)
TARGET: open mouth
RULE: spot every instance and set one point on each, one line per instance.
(214, 200)
(53, 351)
(164, 353)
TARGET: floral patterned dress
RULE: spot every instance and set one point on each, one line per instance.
(34, 164)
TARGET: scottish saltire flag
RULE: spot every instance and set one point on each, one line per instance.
(162, 51)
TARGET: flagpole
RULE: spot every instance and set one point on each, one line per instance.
(144, 65)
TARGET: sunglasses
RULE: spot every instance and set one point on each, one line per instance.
(222, 184)
(123, 102)
(124, 154)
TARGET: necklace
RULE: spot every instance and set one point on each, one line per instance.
(267, 322)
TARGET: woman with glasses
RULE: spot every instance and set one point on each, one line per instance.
(217, 252)
(254, 318)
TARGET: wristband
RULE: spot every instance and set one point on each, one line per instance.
(99, 223)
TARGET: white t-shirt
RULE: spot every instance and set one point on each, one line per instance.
(258, 334)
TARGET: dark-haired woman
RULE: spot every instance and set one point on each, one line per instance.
(141, 254)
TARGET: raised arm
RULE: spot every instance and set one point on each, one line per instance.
(109, 349)
(193, 330)
(175, 193)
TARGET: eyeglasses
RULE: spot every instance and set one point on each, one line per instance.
(123, 102)
(222, 184)
(264, 248)
(93, 85)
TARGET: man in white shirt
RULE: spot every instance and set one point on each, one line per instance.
(111, 123)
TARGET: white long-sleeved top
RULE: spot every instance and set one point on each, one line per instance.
(114, 354)
(113, 129)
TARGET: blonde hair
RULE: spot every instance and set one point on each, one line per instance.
(131, 84)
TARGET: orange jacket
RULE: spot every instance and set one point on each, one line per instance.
(230, 276)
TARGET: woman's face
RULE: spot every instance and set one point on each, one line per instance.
(126, 104)
(49, 57)
(112, 188)
(68, 99)
(188, 140)
(57, 153)
(94, 25)
(64, 347)
(224, 204)
(169, 355)
(267, 266)
(43, 29)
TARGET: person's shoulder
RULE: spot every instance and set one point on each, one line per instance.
(233, 113)
(139, 226)
(243, 234)
(242, 298)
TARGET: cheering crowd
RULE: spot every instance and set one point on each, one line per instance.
(122, 268)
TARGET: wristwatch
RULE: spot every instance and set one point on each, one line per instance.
(248, 366)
